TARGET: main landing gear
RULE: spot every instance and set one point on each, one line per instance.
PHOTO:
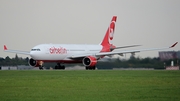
(59, 66)
(41, 67)
(90, 68)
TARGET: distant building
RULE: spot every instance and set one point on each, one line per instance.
(17, 67)
(8, 68)
(166, 55)
(172, 68)
(178, 54)
(22, 67)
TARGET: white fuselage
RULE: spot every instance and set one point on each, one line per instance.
(62, 51)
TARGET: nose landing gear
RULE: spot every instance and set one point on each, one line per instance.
(41, 65)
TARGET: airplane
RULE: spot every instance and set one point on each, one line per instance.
(87, 54)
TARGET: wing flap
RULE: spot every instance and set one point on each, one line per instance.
(126, 46)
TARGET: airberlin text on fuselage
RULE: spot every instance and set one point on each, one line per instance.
(57, 50)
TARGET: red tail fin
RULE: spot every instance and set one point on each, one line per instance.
(109, 33)
(5, 48)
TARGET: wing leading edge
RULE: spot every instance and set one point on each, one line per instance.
(16, 51)
(121, 52)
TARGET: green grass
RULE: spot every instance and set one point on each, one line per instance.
(98, 85)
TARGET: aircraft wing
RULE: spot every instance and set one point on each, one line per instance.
(16, 51)
(125, 47)
(121, 52)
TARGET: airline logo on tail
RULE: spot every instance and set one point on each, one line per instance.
(112, 28)
(109, 33)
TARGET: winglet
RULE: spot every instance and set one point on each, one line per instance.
(5, 48)
(173, 45)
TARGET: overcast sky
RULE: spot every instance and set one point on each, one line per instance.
(151, 23)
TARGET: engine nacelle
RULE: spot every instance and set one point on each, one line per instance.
(89, 61)
(33, 62)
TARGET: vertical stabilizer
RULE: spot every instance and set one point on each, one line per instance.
(109, 33)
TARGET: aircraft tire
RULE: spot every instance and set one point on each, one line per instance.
(63, 67)
(94, 67)
(90, 68)
(56, 67)
(40, 67)
(87, 68)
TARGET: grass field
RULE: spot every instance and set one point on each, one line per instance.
(98, 85)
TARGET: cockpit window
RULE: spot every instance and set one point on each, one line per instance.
(35, 50)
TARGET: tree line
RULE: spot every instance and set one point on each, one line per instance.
(136, 62)
(7, 61)
(132, 62)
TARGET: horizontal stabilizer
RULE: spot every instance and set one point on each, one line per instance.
(15, 51)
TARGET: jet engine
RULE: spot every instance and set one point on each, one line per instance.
(33, 62)
(89, 61)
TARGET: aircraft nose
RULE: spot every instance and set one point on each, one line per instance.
(32, 54)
